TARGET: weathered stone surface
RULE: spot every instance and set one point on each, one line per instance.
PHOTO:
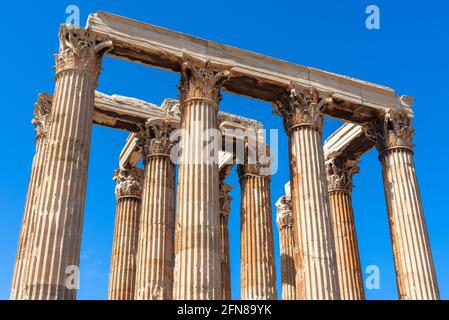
(225, 210)
(319, 234)
(41, 121)
(56, 240)
(253, 75)
(154, 279)
(284, 220)
(339, 176)
(197, 246)
(122, 277)
(257, 268)
(315, 260)
(415, 271)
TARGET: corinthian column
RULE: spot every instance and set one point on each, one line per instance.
(122, 277)
(197, 247)
(154, 280)
(53, 268)
(416, 278)
(258, 276)
(315, 260)
(339, 176)
(284, 220)
(224, 210)
(40, 121)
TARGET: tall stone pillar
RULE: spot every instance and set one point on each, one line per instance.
(339, 177)
(197, 246)
(224, 211)
(284, 220)
(257, 268)
(122, 277)
(41, 121)
(315, 260)
(415, 271)
(53, 268)
(154, 280)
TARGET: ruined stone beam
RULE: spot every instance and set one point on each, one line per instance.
(253, 75)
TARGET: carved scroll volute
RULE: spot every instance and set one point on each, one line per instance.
(340, 173)
(129, 183)
(154, 138)
(300, 107)
(394, 131)
(284, 213)
(202, 80)
(80, 50)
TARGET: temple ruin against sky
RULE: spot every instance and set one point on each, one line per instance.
(171, 240)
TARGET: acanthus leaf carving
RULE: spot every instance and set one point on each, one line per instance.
(202, 80)
(395, 131)
(284, 213)
(340, 173)
(245, 170)
(80, 50)
(129, 182)
(154, 139)
(300, 106)
(42, 115)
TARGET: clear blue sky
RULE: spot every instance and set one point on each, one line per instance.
(409, 53)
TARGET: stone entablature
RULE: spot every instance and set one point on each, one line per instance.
(252, 74)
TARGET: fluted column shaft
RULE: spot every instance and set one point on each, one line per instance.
(41, 120)
(315, 260)
(154, 279)
(224, 210)
(415, 271)
(59, 208)
(284, 219)
(414, 266)
(122, 277)
(258, 276)
(350, 277)
(197, 244)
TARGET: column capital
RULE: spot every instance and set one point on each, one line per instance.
(41, 119)
(301, 107)
(393, 132)
(340, 173)
(224, 190)
(225, 199)
(251, 170)
(79, 49)
(129, 183)
(202, 80)
(155, 138)
(284, 213)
